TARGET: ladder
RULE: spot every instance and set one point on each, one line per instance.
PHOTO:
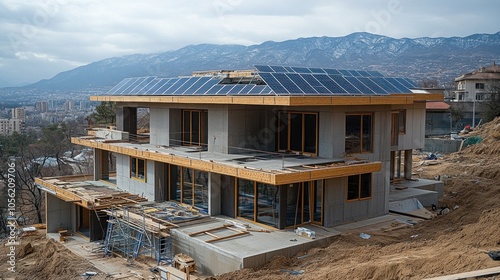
(137, 245)
(109, 233)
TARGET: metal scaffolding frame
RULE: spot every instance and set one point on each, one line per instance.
(130, 235)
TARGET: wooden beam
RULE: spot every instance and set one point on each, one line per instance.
(467, 275)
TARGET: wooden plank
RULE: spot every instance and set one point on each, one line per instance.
(204, 231)
(477, 273)
(226, 237)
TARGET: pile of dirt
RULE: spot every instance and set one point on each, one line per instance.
(39, 258)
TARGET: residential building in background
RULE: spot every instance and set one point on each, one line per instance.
(472, 89)
(42, 106)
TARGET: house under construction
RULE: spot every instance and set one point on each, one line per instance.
(231, 155)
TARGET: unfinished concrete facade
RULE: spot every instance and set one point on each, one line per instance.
(281, 147)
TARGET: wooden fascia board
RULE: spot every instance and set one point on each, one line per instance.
(64, 194)
(327, 173)
(262, 176)
(264, 100)
(425, 96)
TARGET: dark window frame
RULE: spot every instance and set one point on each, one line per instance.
(190, 137)
(361, 132)
(286, 129)
(135, 169)
(356, 187)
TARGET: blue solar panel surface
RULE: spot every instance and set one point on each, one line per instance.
(272, 80)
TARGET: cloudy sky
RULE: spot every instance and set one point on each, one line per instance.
(40, 38)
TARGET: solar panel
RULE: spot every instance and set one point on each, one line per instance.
(146, 88)
(371, 85)
(301, 83)
(131, 87)
(225, 89)
(375, 73)
(329, 83)
(301, 70)
(359, 85)
(273, 83)
(266, 90)
(344, 72)
(143, 84)
(236, 89)
(246, 89)
(186, 85)
(163, 86)
(263, 68)
(257, 89)
(382, 82)
(290, 86)
(196, 85)
(345, 84)
(410, 83)
(363, 73)
(213, 90)
(332, 71)
(354, 73)
(178, 82)
(280, 69)
(126, 85)
(318, 87)
(398, 85)
(317, 70)
(206, 87)
(118, 86)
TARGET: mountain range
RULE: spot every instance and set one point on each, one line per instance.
(440, 59)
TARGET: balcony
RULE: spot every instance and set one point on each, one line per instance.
(265, 167)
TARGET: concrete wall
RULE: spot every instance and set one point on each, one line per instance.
(59, 214)
(218, 127)
(337, 210)
(415, 127)
(124, 182)
(159, 126)
(209, 259)
(443, 146)
(175, 126)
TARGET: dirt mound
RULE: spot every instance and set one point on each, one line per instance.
(38, 258)
(490, 134)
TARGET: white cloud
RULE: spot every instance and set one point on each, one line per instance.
(59, 34)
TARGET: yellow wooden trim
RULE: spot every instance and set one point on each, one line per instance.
(263, 176)
(393, 99)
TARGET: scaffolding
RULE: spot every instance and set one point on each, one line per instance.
(130, 234)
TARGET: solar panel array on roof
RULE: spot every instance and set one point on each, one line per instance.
(276, 80)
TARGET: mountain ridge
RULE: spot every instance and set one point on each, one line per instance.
(441, 58)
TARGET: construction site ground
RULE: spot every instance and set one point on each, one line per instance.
(451, 243)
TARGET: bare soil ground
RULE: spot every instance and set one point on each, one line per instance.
(451, 243)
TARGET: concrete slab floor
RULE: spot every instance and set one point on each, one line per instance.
(116, 267)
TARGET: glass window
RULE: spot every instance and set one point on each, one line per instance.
(267, 204)
(318, 201)
(137, 168)
(479, 85)
(359, 186)
(402, 121)
(246, 197)
(194, 127)
(190, 187)
(298, 132)
(358, 134)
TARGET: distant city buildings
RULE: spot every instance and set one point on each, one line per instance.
(42, 106)
(14, 124)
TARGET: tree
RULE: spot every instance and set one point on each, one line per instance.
(491, 107)
(105, 113)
